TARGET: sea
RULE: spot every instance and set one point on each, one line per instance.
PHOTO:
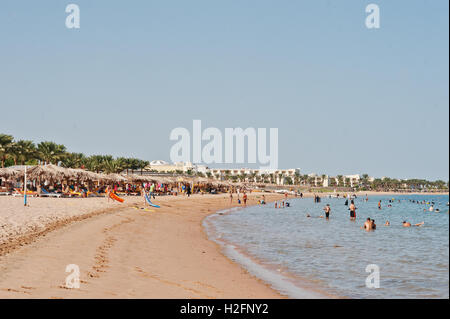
(311, 257)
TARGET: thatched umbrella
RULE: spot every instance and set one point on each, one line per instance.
(116, 178)
(9, 173)
(49, 172)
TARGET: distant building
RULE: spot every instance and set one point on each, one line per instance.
(278, 176)
(165, 167)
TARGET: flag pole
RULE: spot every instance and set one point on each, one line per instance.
(25, 187)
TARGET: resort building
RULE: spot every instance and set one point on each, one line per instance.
(161, 166)
(272, 176)
(276, 176)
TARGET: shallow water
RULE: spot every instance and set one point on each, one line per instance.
(334, 254)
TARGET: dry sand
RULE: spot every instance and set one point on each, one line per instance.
(121, 251)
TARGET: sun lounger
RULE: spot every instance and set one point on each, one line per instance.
(71, 194)
(46, 193)
(19, 192)
(4, 193)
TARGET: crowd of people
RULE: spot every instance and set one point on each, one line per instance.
(369, 224)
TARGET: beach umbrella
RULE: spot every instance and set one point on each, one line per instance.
(8, 173)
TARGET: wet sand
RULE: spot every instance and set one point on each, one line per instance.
(124, 252)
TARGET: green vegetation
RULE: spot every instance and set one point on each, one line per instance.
(22, 152)
(26, 152)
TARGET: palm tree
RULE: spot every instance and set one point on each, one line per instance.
(305, 179)
(263, 177)
(272, 178)
(134, 164)
(297, 178)
(340, 179)
(23, 151)
(348, 181)
(73, 160)
(50, 152)
(142, 165)
(111, 166)
(6, 144)
(124, 163)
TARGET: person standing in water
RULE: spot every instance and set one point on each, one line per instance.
(368, 224)
(327, 210)
(379, 204)
(352, 209)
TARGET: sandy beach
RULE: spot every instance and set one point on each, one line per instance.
(121, 251)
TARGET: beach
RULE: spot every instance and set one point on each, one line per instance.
(121, 251)
(125, 251)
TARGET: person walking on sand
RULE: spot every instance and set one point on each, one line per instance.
(352, 209)
(245, 198)
(231, 197)
(188, 191)
(327, 210)
(143, 193)
(108, 191)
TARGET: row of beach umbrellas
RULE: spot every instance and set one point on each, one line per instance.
(56, 173)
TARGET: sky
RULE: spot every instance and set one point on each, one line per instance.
(345, 99)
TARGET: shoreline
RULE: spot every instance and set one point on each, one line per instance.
(131, 253)
(179, 225)
(278, 278)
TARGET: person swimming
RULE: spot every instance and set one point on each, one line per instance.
(408, 224)
(387, 223)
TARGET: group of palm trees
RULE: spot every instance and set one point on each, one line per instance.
(23, 152)
(26, 152)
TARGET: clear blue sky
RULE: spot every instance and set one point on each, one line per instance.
(346, 99)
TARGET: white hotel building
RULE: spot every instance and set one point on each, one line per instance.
(279, 175)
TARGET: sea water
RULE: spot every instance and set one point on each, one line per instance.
(332, 255)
